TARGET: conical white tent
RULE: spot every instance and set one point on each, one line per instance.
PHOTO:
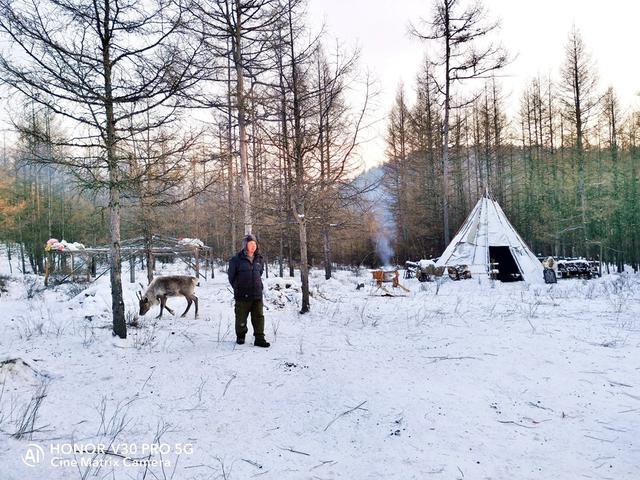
(488, 238)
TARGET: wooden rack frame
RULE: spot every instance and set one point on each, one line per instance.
(84, 264)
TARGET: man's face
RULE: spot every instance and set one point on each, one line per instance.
(251, 247)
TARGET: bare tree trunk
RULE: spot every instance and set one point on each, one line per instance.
(298, 201)
(115, 260)
(326, 250)
(231, 164)
(282, 207)
(580, 82)
(445, 132)
(115, 263)
(304, 263)
(242, 121)
(287, 174)
(445, 171)
(580, 151)
(9, 254)
(149, 256)
(281, 255)
(290, 261)
(22, 261)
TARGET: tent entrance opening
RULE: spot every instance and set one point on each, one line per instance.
(506, 265)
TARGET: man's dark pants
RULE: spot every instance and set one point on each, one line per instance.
(242, 309)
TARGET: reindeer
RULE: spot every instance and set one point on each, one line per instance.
(170, 286)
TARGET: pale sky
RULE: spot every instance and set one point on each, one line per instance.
(534, 32)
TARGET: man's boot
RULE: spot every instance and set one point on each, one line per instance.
(257, 320)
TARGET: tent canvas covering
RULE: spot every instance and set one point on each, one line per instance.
(487, 237)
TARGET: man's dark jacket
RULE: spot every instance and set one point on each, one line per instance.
(244, 276)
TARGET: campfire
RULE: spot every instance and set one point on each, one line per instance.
(382, 277)
(385, 276)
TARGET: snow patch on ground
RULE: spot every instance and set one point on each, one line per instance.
(16, 370)
(469, 379)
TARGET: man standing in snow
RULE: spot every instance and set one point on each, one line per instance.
(245, 270)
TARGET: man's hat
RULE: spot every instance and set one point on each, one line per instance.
(247, 239)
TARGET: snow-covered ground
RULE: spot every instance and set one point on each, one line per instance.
(472, 380)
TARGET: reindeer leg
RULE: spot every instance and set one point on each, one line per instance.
(167, 307)
(162, 300)
(189, 302)
(191, 299)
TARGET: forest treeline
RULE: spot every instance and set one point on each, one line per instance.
(214, 119)
(530, 164)
(564, 167)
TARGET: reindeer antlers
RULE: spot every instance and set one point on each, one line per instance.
(139, 293)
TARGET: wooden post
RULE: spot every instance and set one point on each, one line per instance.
(73, 268)
(196, 253)
(88, 265)
(93, 265)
